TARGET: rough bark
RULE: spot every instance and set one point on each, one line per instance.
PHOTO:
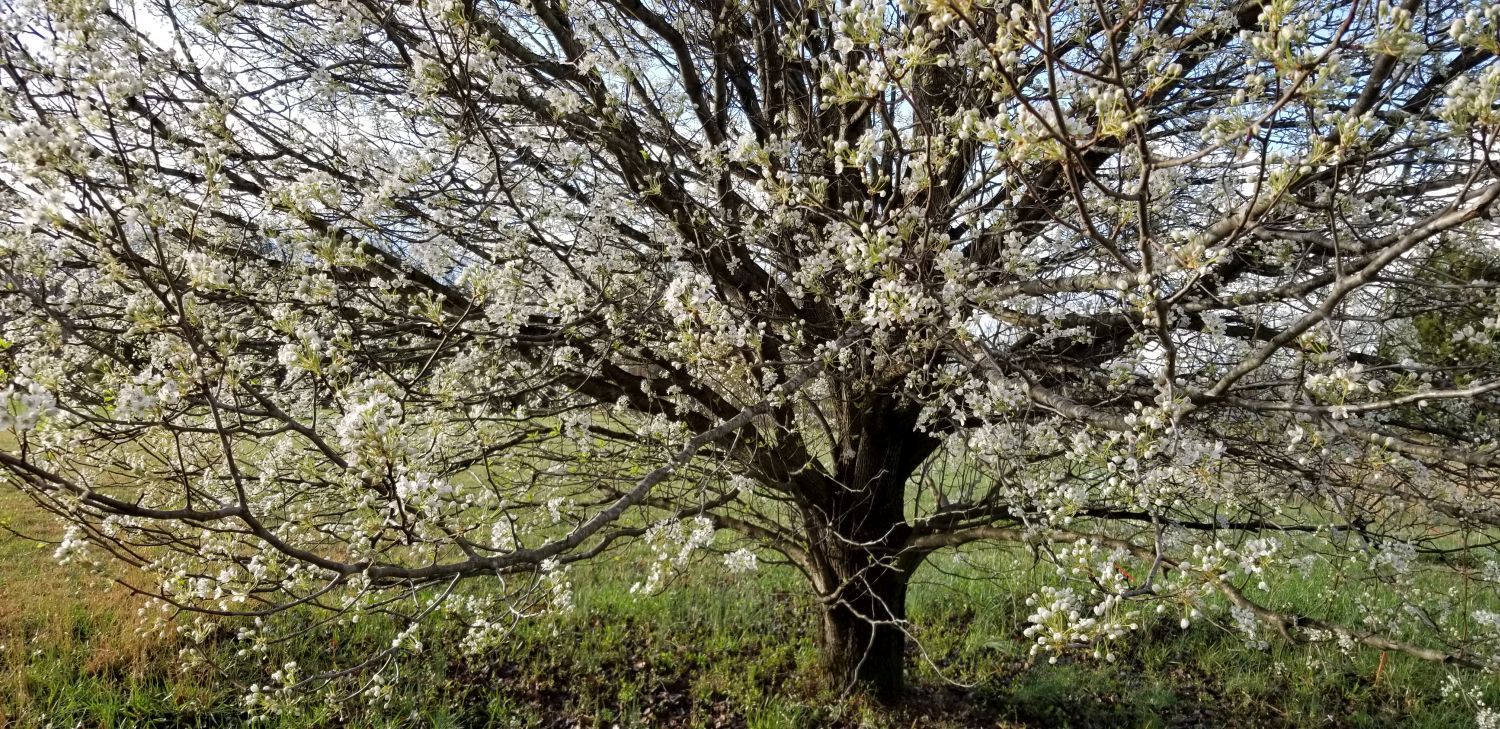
(863, 635)
(857, 527)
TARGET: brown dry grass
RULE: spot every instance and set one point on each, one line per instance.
(63, 615)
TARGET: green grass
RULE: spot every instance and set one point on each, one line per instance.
(713, 650)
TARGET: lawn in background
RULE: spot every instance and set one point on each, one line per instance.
(713, 650)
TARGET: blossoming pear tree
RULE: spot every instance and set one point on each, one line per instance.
(357, 305)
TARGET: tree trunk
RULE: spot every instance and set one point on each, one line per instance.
(857, 527)
(864, 631)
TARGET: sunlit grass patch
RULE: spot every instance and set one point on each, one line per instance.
(73, 643)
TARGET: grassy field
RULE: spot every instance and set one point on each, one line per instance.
(713, 651)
